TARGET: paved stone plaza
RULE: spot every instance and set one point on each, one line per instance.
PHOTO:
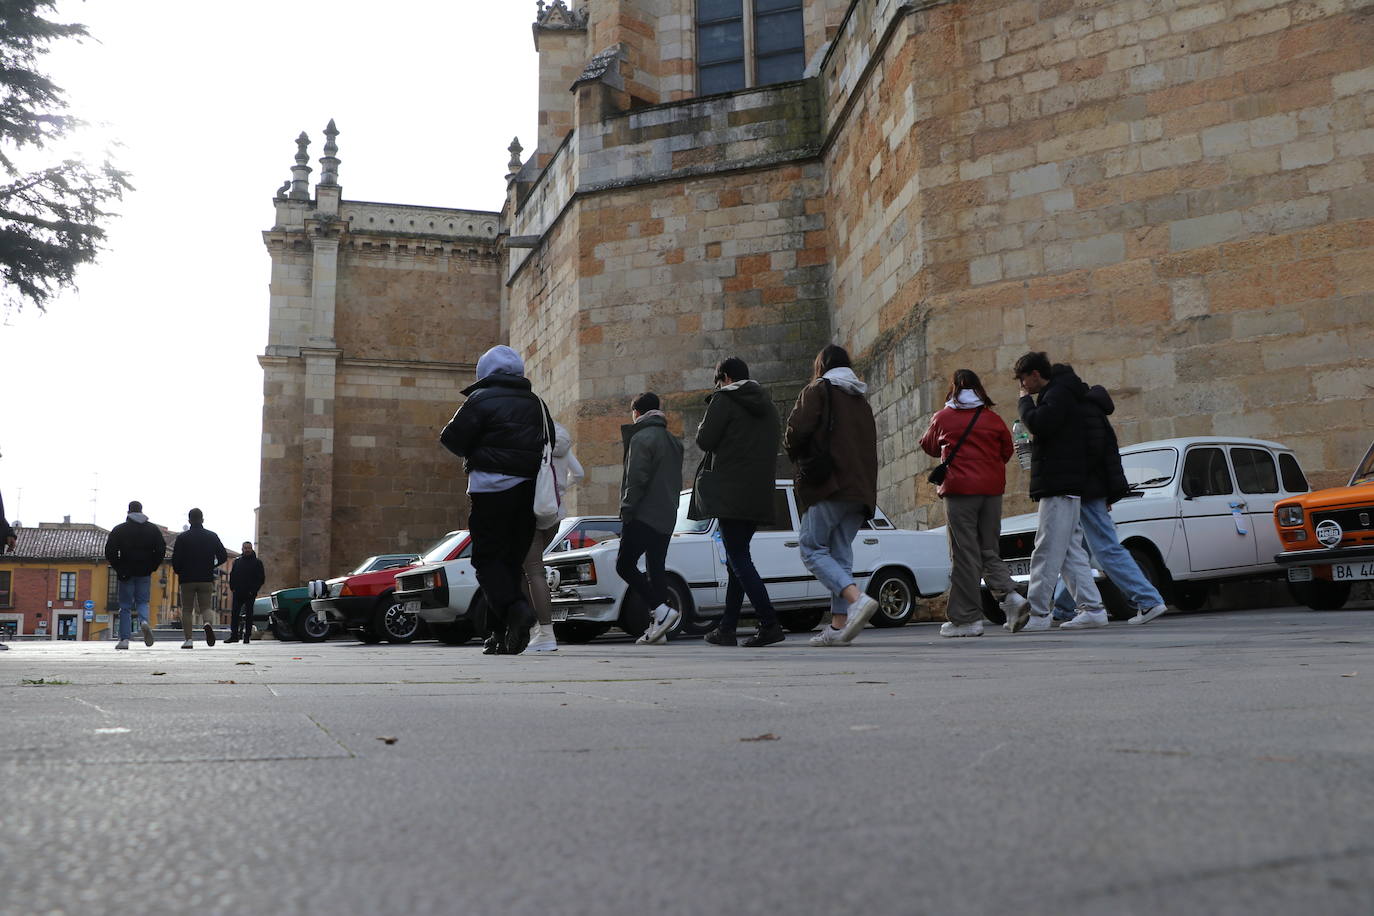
(1207, 763)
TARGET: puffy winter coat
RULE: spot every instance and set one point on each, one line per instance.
(853, 440)
(500, 428)
(651, 482)
(195, 554)
(740, 433)
(1055, 418)
(1106, 478)
(247, 575)
(979, 467)
(135, 547)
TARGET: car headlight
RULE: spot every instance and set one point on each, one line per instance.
(553, 577)
(583, 573)
(275, 605)
(1290, 516)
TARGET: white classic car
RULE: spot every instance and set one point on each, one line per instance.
(1200, 511)
(896, 567)
(445, 594)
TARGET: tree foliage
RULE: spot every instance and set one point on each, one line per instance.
(50, 215)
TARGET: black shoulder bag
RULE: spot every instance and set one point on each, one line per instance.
(819, 466)
(938, 473)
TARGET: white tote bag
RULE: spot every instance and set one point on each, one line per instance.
(546, 501)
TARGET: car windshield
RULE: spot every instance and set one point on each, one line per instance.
(1365, 472)
(440, 551)
(684, 524)
(1153, 468)
(390, 561)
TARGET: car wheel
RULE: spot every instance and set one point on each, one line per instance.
(1189, 596)
(393, 623)
(896, 596)
(453, 634)
(576, 632)
(309, 627)
(801, 621)
(1321, 595)
(283, 634)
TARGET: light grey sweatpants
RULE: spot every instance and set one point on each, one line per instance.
(1059, 551)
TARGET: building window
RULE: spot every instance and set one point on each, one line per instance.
(112, 592)
(744, 43)
(66, 586)
(6, 598)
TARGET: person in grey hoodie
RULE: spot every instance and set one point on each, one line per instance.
(651, 481)
(832, 416)
(567, 471)
(135, 549)
(735, 485)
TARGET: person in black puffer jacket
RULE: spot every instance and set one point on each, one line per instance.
(196, 553)
(1052, 407)
(246, 577)
(135, 549)
(500, 432)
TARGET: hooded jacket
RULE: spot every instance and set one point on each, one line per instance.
(979, 467)
(853, 441)
(567, 470)
(1055, 418)
(740, 434)
(651, 478)
(1106, 478)
(195, 554)
(500, 428)
(247, 575)
(135, 547)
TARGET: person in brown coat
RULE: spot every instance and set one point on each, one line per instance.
(832, 417)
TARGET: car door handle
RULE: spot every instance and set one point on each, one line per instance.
(870, 540)
(790, 543)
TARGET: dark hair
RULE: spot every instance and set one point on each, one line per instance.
(736, 368)
(645, 402)
(135, 506)
(1033, 362)
(832, 356)
(967, 378)
(195, 515)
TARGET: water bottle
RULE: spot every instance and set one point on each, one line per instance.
(1021, 440)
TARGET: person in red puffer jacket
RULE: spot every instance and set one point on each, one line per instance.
(972, 491)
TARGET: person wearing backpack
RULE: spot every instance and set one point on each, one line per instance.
(974, 446)
(833, 441)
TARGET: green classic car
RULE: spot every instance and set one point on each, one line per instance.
(291, 616)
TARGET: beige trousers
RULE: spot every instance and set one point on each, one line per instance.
(196, 596)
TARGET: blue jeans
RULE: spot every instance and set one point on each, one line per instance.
(1113, 560)
(827, 546)
(133, 592)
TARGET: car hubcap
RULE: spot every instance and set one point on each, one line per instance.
(893, 599)
(399, 624)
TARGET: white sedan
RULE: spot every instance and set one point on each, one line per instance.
(896, 567)
(1200, 511)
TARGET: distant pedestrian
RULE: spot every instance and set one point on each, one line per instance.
(196, 554)
(1051, 406)
(567, 472)
(735, 485)
(833, 421)
(1106, 483)
(650, 487)
(979, 442)
(499, 432)
(135, 549)
(245, 581)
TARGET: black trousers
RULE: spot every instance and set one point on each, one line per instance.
(639, 540)
(735, 535)
(502, 526)
(242, 615)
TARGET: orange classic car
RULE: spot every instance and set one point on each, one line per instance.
(1328, 539)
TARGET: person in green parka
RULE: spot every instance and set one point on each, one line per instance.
(740, 435)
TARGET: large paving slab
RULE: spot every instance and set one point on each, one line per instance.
(1207, 763)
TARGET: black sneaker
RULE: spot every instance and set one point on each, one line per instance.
(209, 635)
(718, 638)
(519, 618)
(492, 646)
(766, 636)
(232, 638)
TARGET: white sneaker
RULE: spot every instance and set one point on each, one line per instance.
(665, 618)
(829, 637)
(123, 644)
(1148, 614)
(542, 639)
(860, 612)
(962, 629)
(1017, 608)
(1085, 620)
(1036, 622)
(186, 644)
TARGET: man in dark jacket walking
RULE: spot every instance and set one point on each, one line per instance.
(135, 549)
(196, 553)
(245, 581)
(735, 485)
(651, 481)
(499, 432)
(1051, 406)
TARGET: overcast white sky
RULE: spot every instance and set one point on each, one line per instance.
(145, 384)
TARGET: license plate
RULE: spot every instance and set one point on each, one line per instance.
(1300, 574)
(410, 607)
(1344, 572)
(1018, 567)
(559, 614)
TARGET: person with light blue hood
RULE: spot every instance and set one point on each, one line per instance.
(500, 432)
